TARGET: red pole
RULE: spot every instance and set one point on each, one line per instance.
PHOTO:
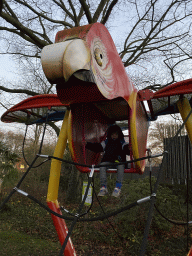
(62, 230)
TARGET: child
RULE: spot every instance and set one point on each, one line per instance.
(115, 150)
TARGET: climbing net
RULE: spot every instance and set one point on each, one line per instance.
(79, 214)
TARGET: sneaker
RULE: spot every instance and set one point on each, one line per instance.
(103, 191)
(116, 192)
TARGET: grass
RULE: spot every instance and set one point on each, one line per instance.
(27, 230)
(16, 243)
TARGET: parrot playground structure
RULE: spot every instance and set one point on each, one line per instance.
(93, 92)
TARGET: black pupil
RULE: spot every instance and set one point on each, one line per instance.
(101, 56)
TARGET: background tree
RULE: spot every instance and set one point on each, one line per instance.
(161, 130)
(8, 159)
(153, 39)
(1, 5)
(30, 82)
(12, 141)
(13, 151)
(153, 34)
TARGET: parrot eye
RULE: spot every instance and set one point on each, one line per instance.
(98, 56)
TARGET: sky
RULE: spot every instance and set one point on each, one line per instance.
(8, 67)
(7, 72)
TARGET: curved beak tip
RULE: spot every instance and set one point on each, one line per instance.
(62, 60)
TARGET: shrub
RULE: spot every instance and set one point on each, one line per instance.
(10, 178)
(133, 221)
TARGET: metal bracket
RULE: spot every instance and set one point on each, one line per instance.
(92, 171)
(21, 191)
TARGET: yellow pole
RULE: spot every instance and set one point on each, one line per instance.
(134, 142)
(53, 187)
(184, 109)
(69, 134)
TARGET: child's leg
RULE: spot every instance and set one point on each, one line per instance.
(103, 174)
(120, 175)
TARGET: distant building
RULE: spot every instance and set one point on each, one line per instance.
(21, 166)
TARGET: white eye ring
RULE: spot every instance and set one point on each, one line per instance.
(98, 56)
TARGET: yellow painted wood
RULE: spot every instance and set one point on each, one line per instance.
(131, 100)
(184, 109)
(55, 171)
(134, 142)
(70, 134)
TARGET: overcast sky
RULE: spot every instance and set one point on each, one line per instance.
(9, 69)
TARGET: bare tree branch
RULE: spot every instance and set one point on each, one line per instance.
(106, 17)
(86, 10)
(140, 49)
(99, 10)
(81, 13)
(31, 37)
(62, 5)
(152, 31)
(1, 5)
(74, 13)
(55, 127)
(22, 54)
(24, 91)
(11, 11)
(44, 35)
(44, 16)
(134, 27)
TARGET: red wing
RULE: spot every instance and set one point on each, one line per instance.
(34, 109)
(164, 101)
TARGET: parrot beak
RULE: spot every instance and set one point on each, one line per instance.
(64, 59)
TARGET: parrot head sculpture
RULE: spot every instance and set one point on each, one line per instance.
(91, 79)
(85, 61)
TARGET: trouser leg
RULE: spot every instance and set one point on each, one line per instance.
(103, 174)
(120, 173)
